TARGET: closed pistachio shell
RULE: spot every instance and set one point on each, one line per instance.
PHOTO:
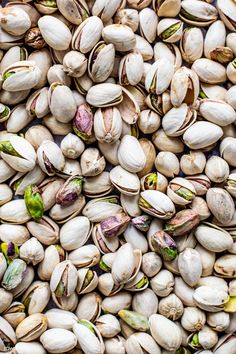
(59, 40)
(58, 339)
(121, 36)
(190, 266)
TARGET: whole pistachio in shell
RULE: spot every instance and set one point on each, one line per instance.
(101, 61)
(220, 204)
(15, 21)
(50, 157)
(34, 39)
(64, 279)
(107, 124)
(121, 36)
(163, 244)
(74, 63)
(22, 75)
(59, 39)
(74, 11)
(157, 204)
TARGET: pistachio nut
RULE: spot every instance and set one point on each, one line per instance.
(50, 157)
(104, 95)
(163, 244)
(58, 339)
(32, 251)
(157, 204)
(87, 34)
(159, 76)
(53, 255)
(64, 279)
(198, 14)
(18, 153)
(121, 36)
(75, 64)
(191, 44)
(101, 61)
(181, 191)
(88, 336)
(14, 21)
(59, 39)
(134, 320)
(167, 163)
(190, 266)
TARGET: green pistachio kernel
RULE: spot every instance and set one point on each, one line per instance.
(87, 324)
(142, 282)
(185, 193)
(171, 30)
(34, 202)
(7, 148)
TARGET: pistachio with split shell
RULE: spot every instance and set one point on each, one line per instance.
(34, 202)
(60, 39)
(170, 30)
(87, 280)
(64, 279)
(163, 244)
(92, 162)
(231, 184)
(129, 108)
(18, 153)
(181, 191)
(87, 34)
(145, 302)
(7, 299)
(101, 61)
(37, 103)
(215, 38)
(32, 251)
(50, 157)
(7, 337)
(45, 230)
(157, 204)
(106, 284)
(105, 10)
(225, 266)
(177, 120)
(85, 256)
(206, 338)
(22, 75)
(227, 343)
(131, 69)
(182, 223)
(218, 321)
(191, 44)
(141, 342)
(202, 135)
(220, 204)
(98, 209)
(121, 36)
(138, 283)
(154, 181)
(70, 191)
(89, 307)
(210, 299)
(14, 314)
(166, 8)
(199, 205)
(88, 336)
(159, 76)
(108, 325)
(227, 13)
(201, 183)
(4, 112)
(37, 134)
(74, 11)
(227, 150)
(135, 320)
(190, 266)
(26, 281)
(97, 186)
(169, 52)
(104, 95)
(53, 255)
(165, 332)
(107, 124)
(114, 225)
(149, 121)
(67, 303)
(189, 87)
(18, 119)
(126, 182)
(104, 244)
(198, 14)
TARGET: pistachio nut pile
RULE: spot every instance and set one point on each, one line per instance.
(118, 177)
